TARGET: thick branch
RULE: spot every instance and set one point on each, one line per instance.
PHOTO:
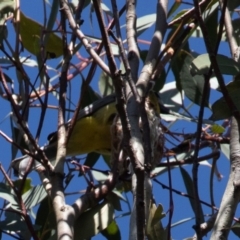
(231, 195)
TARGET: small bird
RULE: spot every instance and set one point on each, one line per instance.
(92, 131)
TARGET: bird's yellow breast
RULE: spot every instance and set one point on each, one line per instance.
(92, 133)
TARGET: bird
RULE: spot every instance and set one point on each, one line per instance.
(93, 132)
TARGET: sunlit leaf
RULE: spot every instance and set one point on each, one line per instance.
(31, 32)
(143, 23)
(201, 64)
(27, 184)
(99, 176)
(155, 230)
(158, 215)
(173, 8)
(34, 196)
(217, 129)
(112, 232)
(171, 97)
(106, 9)
(225, 148)
(182, 221)
(105, 84)
(6, 194)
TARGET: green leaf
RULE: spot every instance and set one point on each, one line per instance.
(171, 97)
(5, 193)
(112, 232)
(233, 85)
(236, 229)
(225, 149)
(27, 184)
(160, 81)
(192, 86)
(45, 221)
(15, 225)
(93, 221)
(180, 13)
(158, 215)
(106, 9)
(155, 230)
(7, 78)
(74, 4)
(31, 32)
(107, 160)
(182, 221)
(105, 84)
(90, 96)
(177, 63)
(220, 109)
(99, 176)
(34, 196)
(114, 200)
(211, 24)
(233, 4)
(173, 8)
(217, 129)
(201, 64)
(143, 23)
(91, 159)
(189, 187)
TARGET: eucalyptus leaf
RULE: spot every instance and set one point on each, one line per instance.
(6, 194)
(189, 187)
(155, 230)
(31, 32)
(225, 148)
(193, 85)
(171, 97)
(93, 221)
(34, 196)
(236, 229)
(220, 109)
(99, 176)
(112, 232)
(91, 159)
(46, 221)
(143, 23)
(105, 84)
(201, 65)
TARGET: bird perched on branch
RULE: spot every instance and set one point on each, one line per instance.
(92, 131)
